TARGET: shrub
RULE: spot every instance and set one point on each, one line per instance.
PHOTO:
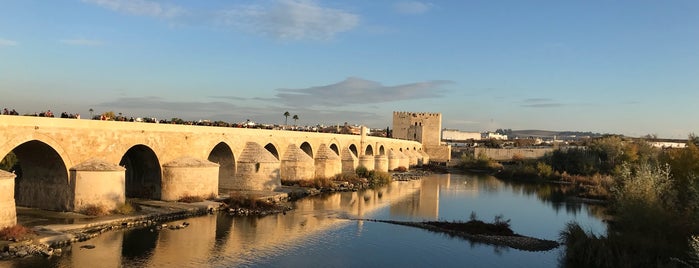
(544, 170)
(15, 233)
(377, 177)
(362, 172)
(401, 169)
(190, 199)
(126, 208)
(94, 210)
(245, 201)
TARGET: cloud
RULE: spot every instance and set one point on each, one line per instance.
(290, 20)
(354, 90)
(193, 110)
(540, 103)
(8, 43)
(80, 42)
(228, 97)
(412, 7)
(140, 8)
(157, 103)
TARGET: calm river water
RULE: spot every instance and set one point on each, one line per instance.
(318, 234)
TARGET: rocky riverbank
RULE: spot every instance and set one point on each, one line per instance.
(463, 230)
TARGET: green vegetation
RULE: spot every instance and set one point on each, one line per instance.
(127, 208)
(480, 163)
(653, 198)
(94, 210)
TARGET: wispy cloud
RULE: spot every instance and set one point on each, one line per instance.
(228, 97)
(412, 7)
(290, 20)
(355, 90)
(80, 42)
(540, 103)
(8, 43)
(140, 8)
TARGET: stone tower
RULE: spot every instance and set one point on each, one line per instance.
(425, 128)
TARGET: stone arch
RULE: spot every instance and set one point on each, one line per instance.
(335, 148)
(306, 147)
(42, 177)
(369, 150)
(222, 154)
(143, 172)
(272, 149)
(353, 149)
(382, 150)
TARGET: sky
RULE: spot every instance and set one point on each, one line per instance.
(606, 66)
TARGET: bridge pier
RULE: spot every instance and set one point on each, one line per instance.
(327, 162)
(367, 161)
(349, 161)
(381, 163)
(189, 176)
(98, 183)
(258, 169)
(412, 158)
(404, 160)
(393, 160)
(296, 165)
(425, 158)
(8, 211)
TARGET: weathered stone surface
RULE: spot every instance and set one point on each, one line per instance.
(8, 212)
(381, 162)
(297, 165)
(258, 169)
(349, 161)
(367, 161)
(97, 182)
(189, 176)
(393, 160)
(96, 164)
(327, 162)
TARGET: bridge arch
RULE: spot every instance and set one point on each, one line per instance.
(223, 155)
(335, 148)
(353, 149)
(306, 147)
(143, 172)
(369, 150)
(382, 150)
(273, 150)
(42, 177)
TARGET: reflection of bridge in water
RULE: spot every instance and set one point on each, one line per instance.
(69, 165)
(241, 240)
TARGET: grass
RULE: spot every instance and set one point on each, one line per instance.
(16, 232)
(127, 208)
(318, 183)
(94, 210)
(244, 201)
(190, 199)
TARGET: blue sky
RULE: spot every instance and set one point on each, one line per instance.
(626, 67)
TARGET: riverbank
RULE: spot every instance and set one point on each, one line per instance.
(54, 231)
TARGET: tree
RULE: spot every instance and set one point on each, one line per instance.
(286, 117)
(296, 118)
(91, 110)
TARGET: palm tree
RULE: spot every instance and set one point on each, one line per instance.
(296, 117)
(286, 116)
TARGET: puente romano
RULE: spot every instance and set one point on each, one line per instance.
(68, 164)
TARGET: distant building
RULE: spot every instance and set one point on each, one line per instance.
(492, 135)
(457, 135)
(425, 128)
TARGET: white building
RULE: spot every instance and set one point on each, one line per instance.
(492, 135)
(457, 135)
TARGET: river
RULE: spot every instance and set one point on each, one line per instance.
(317, 233)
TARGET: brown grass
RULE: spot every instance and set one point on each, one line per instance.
(15, 233)
(242, 201)
(94, 210)
(190, 199)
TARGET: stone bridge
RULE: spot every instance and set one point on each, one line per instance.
(69, 164)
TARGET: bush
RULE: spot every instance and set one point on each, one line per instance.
(126, 208)
(15, 233)
(377, 177)
(94, 210)
(190, 199)
(245, 201)
(362, 172)
(544, 170)
(401, 169)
